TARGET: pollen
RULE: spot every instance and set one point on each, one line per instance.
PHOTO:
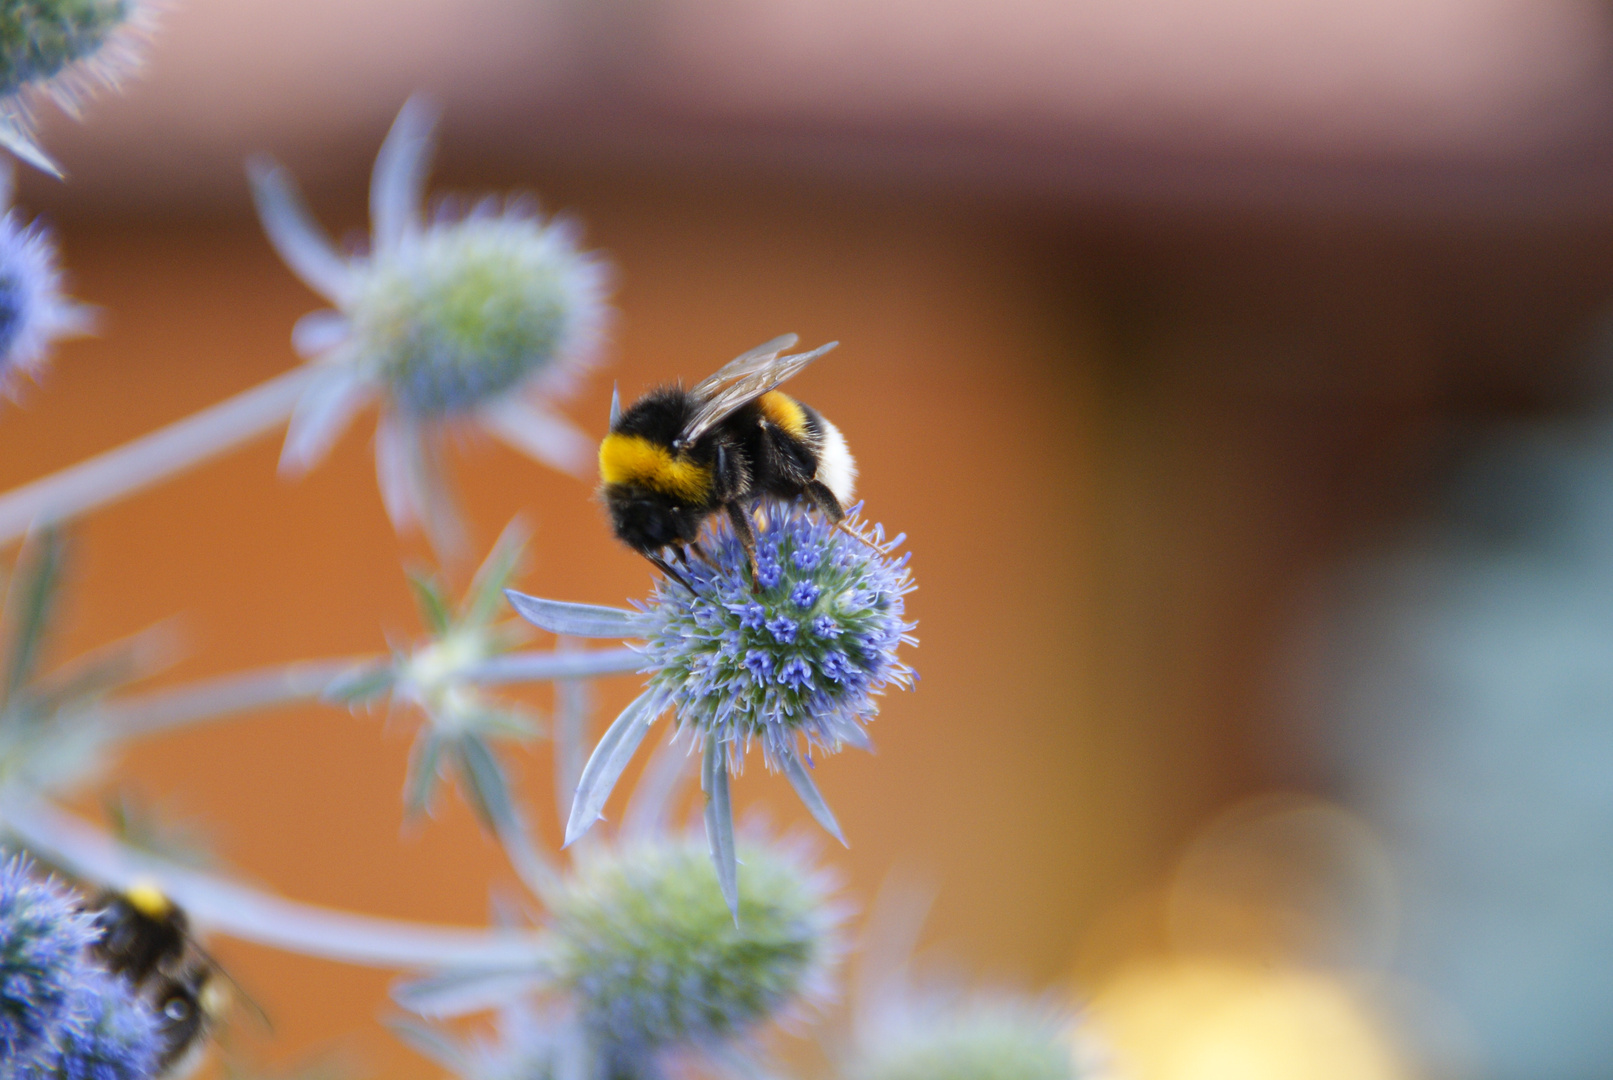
(633, 459)
(784, 412)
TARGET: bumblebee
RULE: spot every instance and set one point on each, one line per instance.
(676, 456)
(145, 940)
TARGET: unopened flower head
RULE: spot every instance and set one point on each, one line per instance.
(655, 960)
(804, 654)
(43, 934)
(61, 50)
(979, 1038)
(460, 313)
(33, 311)
(111, 1035)
(487, 316)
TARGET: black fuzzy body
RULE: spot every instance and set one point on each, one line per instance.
(747, 457)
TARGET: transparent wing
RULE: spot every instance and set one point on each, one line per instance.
(746, 378)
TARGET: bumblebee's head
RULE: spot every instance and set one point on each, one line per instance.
(648, 521)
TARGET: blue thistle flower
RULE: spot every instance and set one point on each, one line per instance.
(796, 665)
(486, 317)
(110, 1035)
(646, 945)
(61, 50)
(43, 935)
(33, 311)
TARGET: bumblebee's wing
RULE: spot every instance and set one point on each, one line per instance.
(746, 378)
(238, 994)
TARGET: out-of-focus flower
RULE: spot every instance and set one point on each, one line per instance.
(61, 50)
(798, 659)
(33, 311)
(461, 719)
(979, 1037)
(907, 1027)
(485, 316)
(43, 934)
(654, 960)
(110, 1034)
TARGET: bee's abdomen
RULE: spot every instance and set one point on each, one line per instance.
(787, 414)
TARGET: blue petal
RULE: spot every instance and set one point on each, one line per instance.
(294, 234)
(398, 182)
(323, 413)
(801, 780)
(540, 435)
(720, 823)
(577, 620)
(615, 749)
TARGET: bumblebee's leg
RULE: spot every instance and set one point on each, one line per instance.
(824, 499)
(700, 553)
(820, 494)
(682, 553)
(747, 539)
(666, 568)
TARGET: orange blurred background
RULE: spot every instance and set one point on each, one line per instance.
(1131, 352)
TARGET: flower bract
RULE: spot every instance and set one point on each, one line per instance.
(482, 317)
(794, 660)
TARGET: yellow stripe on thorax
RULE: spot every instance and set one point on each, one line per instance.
(784, 412)
(633, 459)
(149, 900)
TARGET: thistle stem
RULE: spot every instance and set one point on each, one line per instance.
(561, 664)
(252, 915)
(308, 680)
(127, 469)
(227, 695)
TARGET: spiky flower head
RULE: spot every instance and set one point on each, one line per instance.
(802, 654)
(459, 313)
(646, 945)
(979, 1038)
(33, 311)
(111, 1035)
(60, 50)
(43, 934)
(486, 316)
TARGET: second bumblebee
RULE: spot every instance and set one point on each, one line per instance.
(145, 940)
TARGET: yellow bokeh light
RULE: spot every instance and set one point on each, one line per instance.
(1214, 1019)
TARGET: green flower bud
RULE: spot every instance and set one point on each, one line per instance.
(651, 953)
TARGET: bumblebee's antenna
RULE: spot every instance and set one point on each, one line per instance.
(615, 404)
